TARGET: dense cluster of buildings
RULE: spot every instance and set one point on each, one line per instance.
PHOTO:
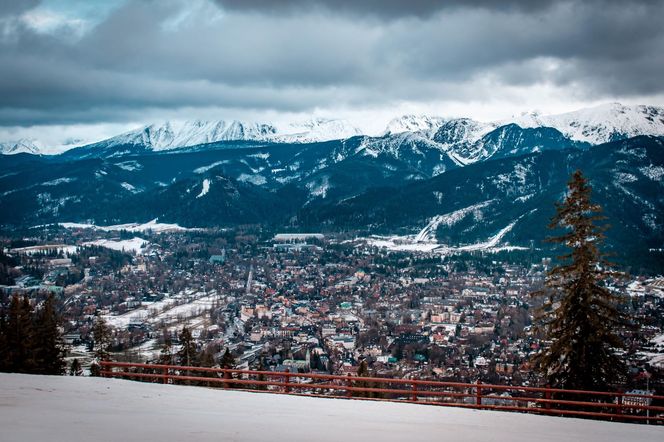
(305, 302)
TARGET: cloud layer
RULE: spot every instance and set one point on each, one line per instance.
(148, 57)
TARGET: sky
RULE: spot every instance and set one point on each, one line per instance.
(73, 70)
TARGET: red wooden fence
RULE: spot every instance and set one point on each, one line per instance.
(615, 406)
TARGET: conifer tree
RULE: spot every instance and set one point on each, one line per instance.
(227, 360)
(206, 359)
(166, 353)
(101, 333)
(49, 350)
(579, 315)
(362, 371)
(261, 377)
(19, 357)
(187, 353)
(75, 368)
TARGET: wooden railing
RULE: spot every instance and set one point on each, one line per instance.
(616, 406)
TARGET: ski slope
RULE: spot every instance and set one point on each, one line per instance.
(77, 409)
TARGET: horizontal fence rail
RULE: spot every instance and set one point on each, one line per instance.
(616, 406)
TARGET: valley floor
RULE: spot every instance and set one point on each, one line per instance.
(72, 409)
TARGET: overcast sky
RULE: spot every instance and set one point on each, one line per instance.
(85, 68)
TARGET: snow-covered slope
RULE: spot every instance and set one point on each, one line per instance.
(20, 146)
(318, 129)
(78, 409)
(172, 135)
(600, 124)
(414, 123)
(460, 136)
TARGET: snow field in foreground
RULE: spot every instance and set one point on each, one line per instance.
(72, 409)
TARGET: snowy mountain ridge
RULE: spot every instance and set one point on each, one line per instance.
(600, 124)
(24, 145)
(414, 123)
(594, 125)
(172, 135)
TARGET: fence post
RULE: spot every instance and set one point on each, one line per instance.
(547, 395)
(414, 392)
(478, 393)
(287, 388)
(349, 383)
(619, 408)
(165, 375)
(227, 375)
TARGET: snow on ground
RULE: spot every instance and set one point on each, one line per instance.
(128, 187)
(205, 189)
(136, 244)
(255, 179)
(153, 226)
(448, 219)
(46, 248)
(655, 173)
(425, 240)
(204, 169)
(171, 309)
(58, 181)
(81, 409)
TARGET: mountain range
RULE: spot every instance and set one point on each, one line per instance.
(595, 125)
(457, 182)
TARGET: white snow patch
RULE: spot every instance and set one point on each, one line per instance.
(136, 244)
(425, 240)
(150, 226)
(172, 309)
(204, 169)
(449, 219)
(655, 173)
(205, 189)
(319, 188)
(623, 177)
(129, 187)
(255, 179)
(130, 166)
(58, 181)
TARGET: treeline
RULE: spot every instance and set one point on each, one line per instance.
(31, 340)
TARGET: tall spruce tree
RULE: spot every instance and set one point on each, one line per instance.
(49, 349)
(227, 361)
(19, 338)
(102, 336)
(579, 315)
(166, 353)
(187, 354)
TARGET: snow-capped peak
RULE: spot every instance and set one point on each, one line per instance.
(170, 135)
(600, 124)
(414, 123)
(317, 129)
(25, 145)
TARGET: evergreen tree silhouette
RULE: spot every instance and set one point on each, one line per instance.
(579, 315)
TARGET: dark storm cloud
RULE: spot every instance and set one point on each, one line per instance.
(175, 54)
(12, 7)
(396, 8)
(380, 8)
